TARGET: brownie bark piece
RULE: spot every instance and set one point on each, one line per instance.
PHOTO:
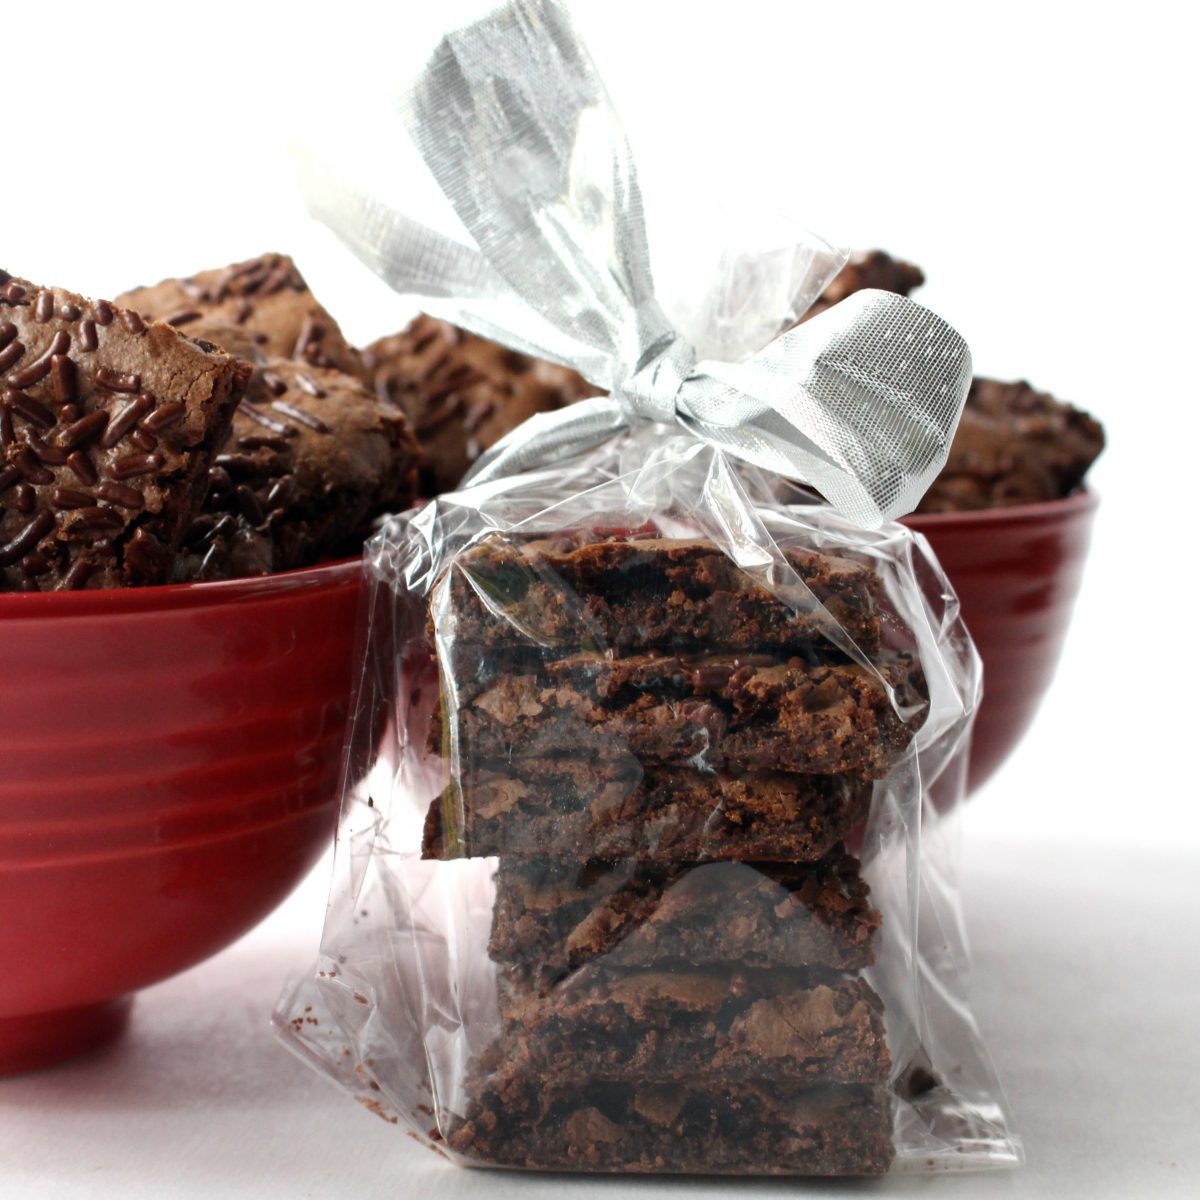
(311, 458)
(265, 298)
(1014, 445)
(868, 269)
(624, 593)
(108, 425)
(553, 916)
(462, 393)
(757, 712)
(695, 1125)
(576, 808)
(669, 1024)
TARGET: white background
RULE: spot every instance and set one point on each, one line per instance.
(1037, 161)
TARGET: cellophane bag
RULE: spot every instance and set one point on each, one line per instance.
(646, 859)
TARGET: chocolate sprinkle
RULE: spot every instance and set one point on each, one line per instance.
(40, 367)
(265, 419)
(116, 381)
(34, 411)
(300, 416)
(11, 354)
(62, 379)
(83, 467)
(63, 497)
(28, 537)
(126, 419)
(136, 464)
(119, 494)
(164, 416)
(83, 430)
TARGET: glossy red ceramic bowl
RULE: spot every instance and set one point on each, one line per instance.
(1017, 572)
(168, 772)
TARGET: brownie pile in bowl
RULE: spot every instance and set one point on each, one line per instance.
(177, 483)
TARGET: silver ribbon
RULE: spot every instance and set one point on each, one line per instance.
(519, 133)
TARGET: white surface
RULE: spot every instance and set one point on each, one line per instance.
(1086, 978)
(1037, 161)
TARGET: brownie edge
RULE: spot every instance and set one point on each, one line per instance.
(693, 1127)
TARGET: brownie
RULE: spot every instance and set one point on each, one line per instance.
(754, 711)
(1014, 445)
(108, 426)
(264, 300)
(462, 393)
(573, 807)
(868, 269)
(311, 458)
(638, 592)
(668, 1024)
(553, 916)
(694, 1125)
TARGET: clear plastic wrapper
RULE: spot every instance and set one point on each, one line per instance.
(641, 866)
(634, 872)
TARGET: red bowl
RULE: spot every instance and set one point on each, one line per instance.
(168, 772)
(1017, 572)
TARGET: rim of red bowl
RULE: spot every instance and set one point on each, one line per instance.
(1081, 501)
(343, 570)
(338, 573)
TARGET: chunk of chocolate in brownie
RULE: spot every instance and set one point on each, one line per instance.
(757, 712)
(266, 298)
(1014, 445)
(108, 425)
(671, 1024)
(624, 593)
(311, 458)
(553, 916)
(463, 393)
(580, 808)
(695, 1125)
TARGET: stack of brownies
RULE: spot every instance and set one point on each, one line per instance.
(666, 759)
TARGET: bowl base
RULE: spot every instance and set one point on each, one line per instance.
(36, 1040)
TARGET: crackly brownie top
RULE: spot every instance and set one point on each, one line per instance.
(1014, 445)
(587, 587)
(462, 392)
(107, 425)
(869, 269)
(262, 304)
(311, 458)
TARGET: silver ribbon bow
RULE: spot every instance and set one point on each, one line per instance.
(519, 133)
